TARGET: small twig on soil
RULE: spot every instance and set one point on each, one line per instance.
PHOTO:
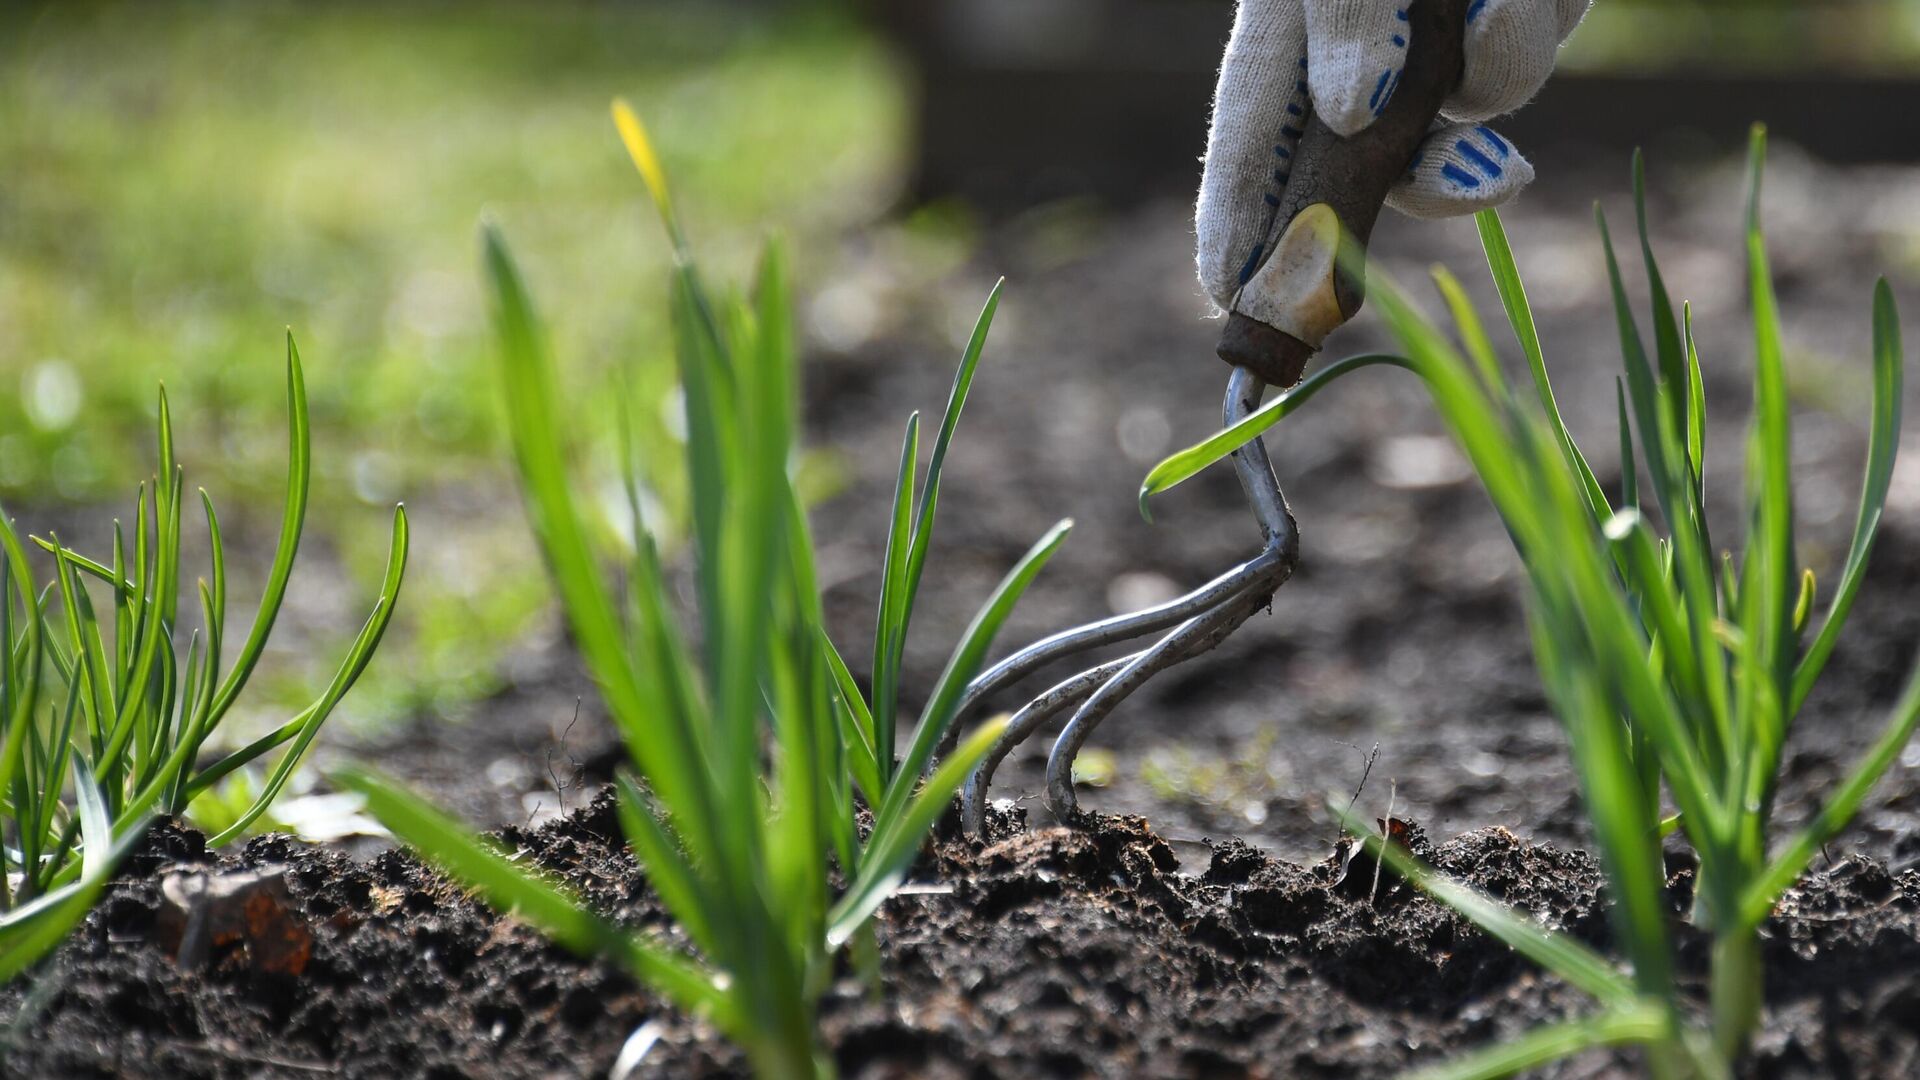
(1386, 837)
(579, 768)
(559, 787)
(1373, 755)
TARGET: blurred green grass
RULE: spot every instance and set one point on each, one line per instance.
(1858, 37)
(179, 182)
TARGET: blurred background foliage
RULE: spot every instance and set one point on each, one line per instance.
(1858, 37)
(179, 181)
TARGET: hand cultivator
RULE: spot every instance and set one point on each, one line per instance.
(1298, 286)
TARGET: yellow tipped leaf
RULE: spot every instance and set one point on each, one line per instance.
(640, 148)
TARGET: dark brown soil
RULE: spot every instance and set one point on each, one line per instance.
(1041, 953)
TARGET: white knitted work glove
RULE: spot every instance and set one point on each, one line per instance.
(1341, 60)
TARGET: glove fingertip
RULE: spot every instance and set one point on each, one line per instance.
(1347, 102)
(1511, 47)
(1358, 49)
(1571, 12)
(1461, 169)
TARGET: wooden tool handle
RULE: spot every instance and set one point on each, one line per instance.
(1352, 177)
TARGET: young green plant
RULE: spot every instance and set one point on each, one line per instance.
(107, 710)
(1665, 668)
(751, 744)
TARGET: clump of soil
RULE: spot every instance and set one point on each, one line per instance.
(1033, 953)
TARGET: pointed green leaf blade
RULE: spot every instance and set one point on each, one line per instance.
(293, 519)
(357, 658)
(1622, 1025)
(1883, 445)
(949, 421)
(1666, 332)
(962, 666)
(1787, 866)
(895, 842)
(655, 730)
(1186, 464)
(1513, 298)
(890, 627)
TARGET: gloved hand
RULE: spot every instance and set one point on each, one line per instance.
(1340, 60)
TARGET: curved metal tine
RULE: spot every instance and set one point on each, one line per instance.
(1094, 635)
(1070, 691)
(1201, 633)
(1256, 577)
(1195, 636)
(1202, 619)
(1276, 523)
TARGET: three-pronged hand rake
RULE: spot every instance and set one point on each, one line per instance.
(1307, 285)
